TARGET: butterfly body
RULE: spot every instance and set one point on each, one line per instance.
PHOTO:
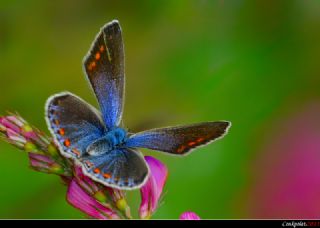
(112, 140)
(106, 152)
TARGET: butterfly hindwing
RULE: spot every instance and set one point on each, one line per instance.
(104, 67)
(181, 139)
(123, 168)
(73, 123)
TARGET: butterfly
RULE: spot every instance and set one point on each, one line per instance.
(96, 141)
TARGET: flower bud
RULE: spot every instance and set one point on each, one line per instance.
(189, 215)
(80, 199)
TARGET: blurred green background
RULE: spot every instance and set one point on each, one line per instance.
(254, 63)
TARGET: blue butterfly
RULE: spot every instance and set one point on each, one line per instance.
(96, 141)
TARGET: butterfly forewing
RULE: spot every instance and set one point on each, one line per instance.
(74, 123)
(104, 67)
(181, 139)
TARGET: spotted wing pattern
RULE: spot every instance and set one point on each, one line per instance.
(123, 168)
(74, 123)
(104, 67)
(181, 139)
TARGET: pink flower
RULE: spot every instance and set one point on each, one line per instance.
(10, 127)
(102, 193)
(151, 191)
(189, 215)
(287, 170)
(12, 122)
(85, 182)
(19, 133)
(44, 163)
(93, 198)
(78, 198)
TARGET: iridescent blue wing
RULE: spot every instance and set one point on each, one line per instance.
(181, 139)
(122, 168)
(74, 123)
(104, 67)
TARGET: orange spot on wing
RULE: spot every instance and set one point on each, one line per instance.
(106, 175)
(192, 143)
(181, 149)
(92, 65)
(101, 48)
(61, 131)
(67, 142)
(97, 56)
(56, 122)
(96, 171)
(200, 140)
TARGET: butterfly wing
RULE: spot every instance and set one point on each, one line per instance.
(74, 123)
(122, 168)
(104, 67)
(181, 139)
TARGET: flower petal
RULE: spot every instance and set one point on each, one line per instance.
(102, 193)
(84, 181)
(44, 163)
(40, 161)
(11, 122)
(18, 132)
(16, 120)
(152, 190)
(15, 137)
(78, 198)
(189, 215)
